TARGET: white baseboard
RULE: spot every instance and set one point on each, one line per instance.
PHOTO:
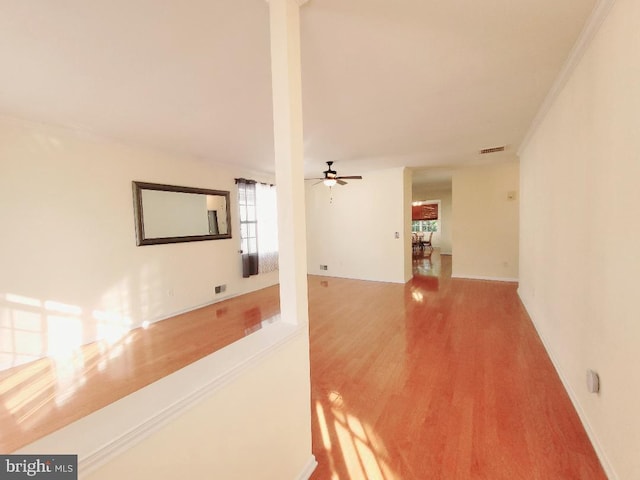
(604, 460)
(219, 299)
(492, 279)
(308, 469)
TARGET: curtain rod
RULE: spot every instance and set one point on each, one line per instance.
(245, 180)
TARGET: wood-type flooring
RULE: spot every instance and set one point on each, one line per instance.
(440, 378)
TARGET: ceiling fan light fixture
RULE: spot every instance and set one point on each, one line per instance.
(330, 182)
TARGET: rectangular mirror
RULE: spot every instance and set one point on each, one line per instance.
(172, 214)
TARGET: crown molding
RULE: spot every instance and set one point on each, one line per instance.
(595, 21)
(299, 2)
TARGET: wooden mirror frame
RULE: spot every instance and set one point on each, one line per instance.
(138, 210)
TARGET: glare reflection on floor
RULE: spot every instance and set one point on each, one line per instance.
(326, 440)
(111, 326)
(32, 329)
(427, 263)
(361, 451)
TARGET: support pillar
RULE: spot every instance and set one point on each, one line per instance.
(288, 142)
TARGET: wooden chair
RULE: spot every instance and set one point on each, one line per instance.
(427, 243)
(414, 242)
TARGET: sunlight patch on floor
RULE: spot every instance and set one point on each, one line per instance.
(350, 442)
(33, 327)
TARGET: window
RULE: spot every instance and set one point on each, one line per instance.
(267, 227)
(425, 217)
(424, 226)
(248, 221)
(258, 227)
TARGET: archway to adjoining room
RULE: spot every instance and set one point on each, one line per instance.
(431, 219)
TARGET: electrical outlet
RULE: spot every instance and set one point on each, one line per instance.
(323, 267)
(220, 288)
(593, 381)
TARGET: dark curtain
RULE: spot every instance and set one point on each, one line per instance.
(249, 264)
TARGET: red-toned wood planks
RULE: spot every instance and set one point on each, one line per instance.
(45, 395)
(435, 379)
(438, 379)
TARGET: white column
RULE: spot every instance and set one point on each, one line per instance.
(287, 127)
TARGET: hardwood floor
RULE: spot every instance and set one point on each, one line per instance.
(47, 394)
(437, 379)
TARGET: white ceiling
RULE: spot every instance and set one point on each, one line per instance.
(385, 84)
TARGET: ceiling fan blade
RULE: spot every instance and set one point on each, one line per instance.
(351, 177)
(340, 182)
(317, 183)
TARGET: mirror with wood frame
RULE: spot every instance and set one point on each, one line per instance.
(173, 214)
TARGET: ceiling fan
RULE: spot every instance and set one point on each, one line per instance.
(331, 177)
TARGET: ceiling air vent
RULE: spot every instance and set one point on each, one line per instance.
(492, 150)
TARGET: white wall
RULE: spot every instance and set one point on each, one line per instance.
(351, 228)
(441, 239)
(406, 203)
(241, 412)
(257, 427)
(66, 212)
(580, 236)
(485, 222)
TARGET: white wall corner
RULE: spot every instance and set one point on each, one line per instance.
(597, 17)
(597, 446)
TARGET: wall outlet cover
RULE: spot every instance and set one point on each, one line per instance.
(593, 382)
